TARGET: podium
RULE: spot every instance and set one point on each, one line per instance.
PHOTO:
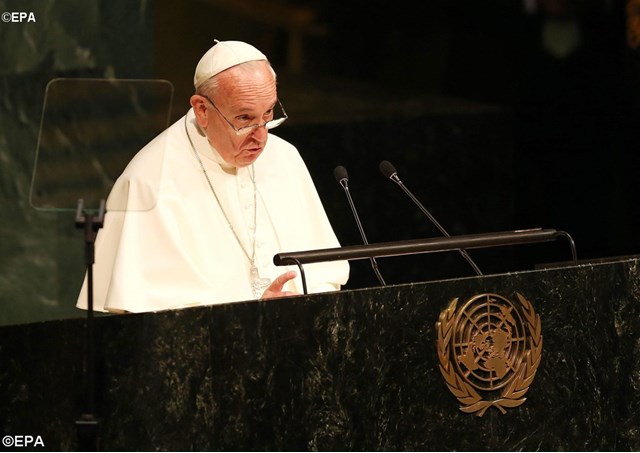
(351, 370)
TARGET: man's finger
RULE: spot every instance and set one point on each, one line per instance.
(279, 282)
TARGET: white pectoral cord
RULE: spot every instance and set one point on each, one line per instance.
(258, 284)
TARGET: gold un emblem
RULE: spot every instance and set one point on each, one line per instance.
(489, 351)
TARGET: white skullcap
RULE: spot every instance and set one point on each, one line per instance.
(223, 55)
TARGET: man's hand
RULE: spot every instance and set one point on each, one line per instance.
(275, 288)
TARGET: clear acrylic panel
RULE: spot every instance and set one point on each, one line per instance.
(89, 131)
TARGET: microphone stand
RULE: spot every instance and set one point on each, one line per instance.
(88, 425)
(424, 210)
(389, 171)
(344, 182)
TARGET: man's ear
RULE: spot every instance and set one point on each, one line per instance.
(199, 105)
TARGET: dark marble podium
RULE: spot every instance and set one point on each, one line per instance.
(354, 370)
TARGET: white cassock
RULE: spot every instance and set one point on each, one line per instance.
(167, 244)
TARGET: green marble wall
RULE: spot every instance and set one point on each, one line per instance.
(41, 262)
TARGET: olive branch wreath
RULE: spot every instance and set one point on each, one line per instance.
(513, 394)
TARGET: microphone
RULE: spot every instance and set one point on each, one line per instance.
(343, 179)
(390, 172)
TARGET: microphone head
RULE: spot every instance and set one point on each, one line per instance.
(387, 169)
(341, 174)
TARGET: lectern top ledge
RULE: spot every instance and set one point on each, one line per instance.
(429, 245)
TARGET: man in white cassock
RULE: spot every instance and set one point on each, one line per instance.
(199, 213)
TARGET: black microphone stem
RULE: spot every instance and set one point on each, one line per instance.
(374, 263)
(394, 177)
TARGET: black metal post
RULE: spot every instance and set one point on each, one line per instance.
(88, 425)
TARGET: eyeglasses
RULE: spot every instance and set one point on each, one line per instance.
(244, 130)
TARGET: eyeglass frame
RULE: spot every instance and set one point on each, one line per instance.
(248, 129)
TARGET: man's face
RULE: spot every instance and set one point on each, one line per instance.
(246, 96)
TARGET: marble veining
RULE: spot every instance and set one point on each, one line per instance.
(353, 370)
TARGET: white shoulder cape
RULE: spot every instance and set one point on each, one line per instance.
(166, 244)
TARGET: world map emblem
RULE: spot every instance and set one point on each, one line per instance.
(489, 350)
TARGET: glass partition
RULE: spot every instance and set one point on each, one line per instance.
(89, 130)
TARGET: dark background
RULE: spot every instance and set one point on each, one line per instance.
(490, 128)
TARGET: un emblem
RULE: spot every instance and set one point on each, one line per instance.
(489, 351)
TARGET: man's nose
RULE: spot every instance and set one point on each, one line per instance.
(260, 133)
